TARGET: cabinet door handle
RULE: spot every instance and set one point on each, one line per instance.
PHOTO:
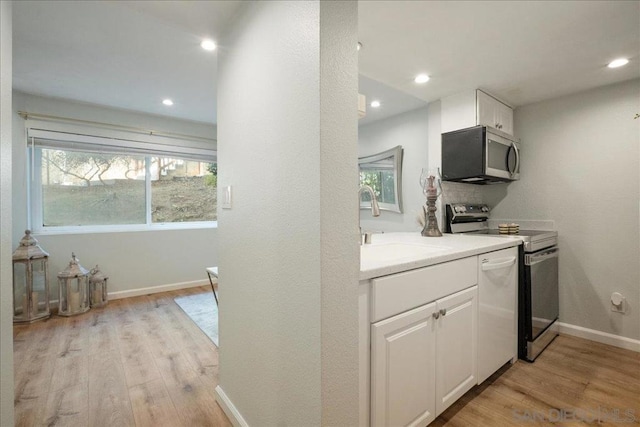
(436, 315)
(443, 311)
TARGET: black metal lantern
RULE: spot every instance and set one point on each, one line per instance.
(30, 281)
(98, 288)
(73, 289)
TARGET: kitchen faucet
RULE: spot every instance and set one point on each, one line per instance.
(375, 210)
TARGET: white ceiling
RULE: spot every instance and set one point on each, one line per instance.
(121, 54)
(392, 101)
(520, 51)
(131, 55)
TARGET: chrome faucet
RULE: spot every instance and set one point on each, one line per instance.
(375, 211)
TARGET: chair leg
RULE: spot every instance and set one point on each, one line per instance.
(212, 288)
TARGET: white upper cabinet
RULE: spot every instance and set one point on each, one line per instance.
(494, 113)
(474, 108)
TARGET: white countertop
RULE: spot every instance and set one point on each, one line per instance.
(391, 253)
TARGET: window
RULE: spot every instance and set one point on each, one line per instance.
(90, 189)
(182, 190)
(73, 188)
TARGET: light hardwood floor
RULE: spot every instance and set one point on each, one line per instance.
(572, 381)
(141, 361)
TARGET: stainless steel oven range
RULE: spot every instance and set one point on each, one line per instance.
(538, 305)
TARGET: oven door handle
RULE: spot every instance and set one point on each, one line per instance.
(488, 265)
(542, 256)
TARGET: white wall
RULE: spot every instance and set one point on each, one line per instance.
(419, 133)
(581, 168)
(6, 295)
(289, 272)
(410, 130)
(132, 260)
(339, 247)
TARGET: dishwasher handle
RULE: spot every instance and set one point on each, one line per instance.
(539, 257)
(502, 263)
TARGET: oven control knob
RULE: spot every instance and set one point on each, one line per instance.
(463, 208)
(485, 209)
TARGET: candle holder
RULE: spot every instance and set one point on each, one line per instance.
(30, 281)
(98, 288)
(428, 181)
(73, 289)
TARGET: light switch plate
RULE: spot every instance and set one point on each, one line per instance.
(226, 197)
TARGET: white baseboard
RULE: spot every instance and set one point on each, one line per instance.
(229, 408)
(156, 289)
(601, 337)
(53, 303)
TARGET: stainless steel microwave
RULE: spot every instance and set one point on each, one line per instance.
(480, 155)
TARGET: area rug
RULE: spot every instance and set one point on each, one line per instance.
(202, 309)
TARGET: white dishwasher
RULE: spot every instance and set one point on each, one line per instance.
(497, 310)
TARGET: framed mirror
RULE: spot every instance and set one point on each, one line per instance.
(383, 173)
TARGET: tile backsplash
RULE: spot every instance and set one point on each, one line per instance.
(456, 192)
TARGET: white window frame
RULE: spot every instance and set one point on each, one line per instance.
(35, 220)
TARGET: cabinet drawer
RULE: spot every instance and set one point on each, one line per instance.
(400, 292)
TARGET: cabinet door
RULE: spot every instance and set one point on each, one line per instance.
(456, 339)
(403, 369)
(504, 116)
(497, 319)
(494, 113)
(487, 110)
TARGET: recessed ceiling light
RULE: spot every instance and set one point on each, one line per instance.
(208, 44)
(359, 45)
(421, 78)
(375, 104)
(618, 63)
(167, 102)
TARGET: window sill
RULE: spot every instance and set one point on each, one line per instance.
(94, 229)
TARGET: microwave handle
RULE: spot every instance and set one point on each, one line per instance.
(517, 166)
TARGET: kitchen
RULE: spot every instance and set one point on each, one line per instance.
(307, 325)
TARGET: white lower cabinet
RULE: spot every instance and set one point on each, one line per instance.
(423, 360)
(456, 346)
(403, 368)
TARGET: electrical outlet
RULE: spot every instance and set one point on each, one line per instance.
(618, 303)
(621, 308)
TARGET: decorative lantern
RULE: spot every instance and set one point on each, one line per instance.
(73, 289)
(30, 281)
(98, 288)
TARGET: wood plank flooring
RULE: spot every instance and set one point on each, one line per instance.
(142, 362)
(574, 382)
(137, 362)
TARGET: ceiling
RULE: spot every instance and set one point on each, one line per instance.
(392, 101)
(133, 54)
(520, 51)
(124, 54)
